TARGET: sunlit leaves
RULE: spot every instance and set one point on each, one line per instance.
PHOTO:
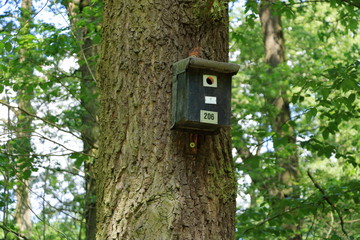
(31, 69)
(321, 80)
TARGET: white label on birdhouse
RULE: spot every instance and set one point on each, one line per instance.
(208, 117)
(209, 81)
(210, 100)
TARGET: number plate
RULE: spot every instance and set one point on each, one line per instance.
(208, 117)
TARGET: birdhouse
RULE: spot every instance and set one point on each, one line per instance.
(201, 95)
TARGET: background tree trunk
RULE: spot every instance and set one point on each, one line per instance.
(89, 94)
(23, 138)
(274, 44)
(89, 130)
(149, 184)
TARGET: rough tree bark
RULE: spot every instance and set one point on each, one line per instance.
(274, 44)
(89, 94)
(23, 135)
(149, 184)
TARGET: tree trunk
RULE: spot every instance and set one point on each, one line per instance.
(274, 44)
(23, 136)
(22, 210)
(89, 134)
(89, 92)
(150, 185)
(89, 130)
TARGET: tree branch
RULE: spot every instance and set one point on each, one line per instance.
(40, 118)
(331, 226)
(349, 2)
(12, 231)
(271, 218)
(352, 3)
(327, 199)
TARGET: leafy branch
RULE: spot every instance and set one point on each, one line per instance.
(327, 199)
(40, 118)
(272, 218)
(5, 228)
(33, 17)
(353, 3)
(50, 205)
(349, 2)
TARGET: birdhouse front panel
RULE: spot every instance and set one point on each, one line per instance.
(201, 100)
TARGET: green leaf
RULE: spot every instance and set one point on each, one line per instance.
(335, 237)
(328, 150)
(325, 133)
(352, 161)
(333, 3)
(79, 162)
(333, 127)
(16, 87)
(75, 155)
(53, 119)
(311, 113)
(353, 24)
(27, 174)
(44, 86)
(1, 88)
(39, 68)
(280, 141)
(250, 21)
(349, 84)
(304, 144)
(351, 98)
(295, 98)
(254, 162)
(325, 92)
(301, 98)
(8, 46)
(292, 123)
(285, 127)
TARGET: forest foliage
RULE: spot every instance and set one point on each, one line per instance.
(321, 80)
(320, 77)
